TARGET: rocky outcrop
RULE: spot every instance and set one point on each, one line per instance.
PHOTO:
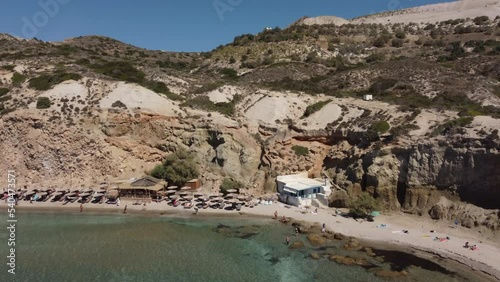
(415, 178)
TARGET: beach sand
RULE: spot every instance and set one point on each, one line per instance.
(419, 240)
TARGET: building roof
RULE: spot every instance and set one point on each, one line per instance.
(128, 186)
(304, 184)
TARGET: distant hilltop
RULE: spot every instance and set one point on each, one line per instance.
(422, 14)
(322, 20)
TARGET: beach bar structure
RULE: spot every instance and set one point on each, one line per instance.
(300, 190)
(143, 187)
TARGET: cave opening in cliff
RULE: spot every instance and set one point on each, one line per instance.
(401, 192)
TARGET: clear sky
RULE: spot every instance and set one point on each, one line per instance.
(173, 25)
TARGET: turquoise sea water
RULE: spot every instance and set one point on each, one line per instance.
(90, 247)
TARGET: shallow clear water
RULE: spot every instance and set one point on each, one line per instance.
(89, 247)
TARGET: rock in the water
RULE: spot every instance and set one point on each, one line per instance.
(353, 245)
(315, 255)
(296, 245)
(316, 240)
(346, 260)
(384, 273)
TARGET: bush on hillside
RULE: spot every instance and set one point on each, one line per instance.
(300, 150)
(43, 103)
(379, 42)
(382, 84)
(177, 169)
(364, 205)
(398, 43)
(47, 81)
(18, 79)
(380, 126)
(229, 73)
(4, 91)
(481, 20)
(229, 184)
(124, 71)
(311, 109)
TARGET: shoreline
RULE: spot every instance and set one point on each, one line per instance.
(484, 261)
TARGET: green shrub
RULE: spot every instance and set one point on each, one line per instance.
(83, 62)
(18, 79)
(203, 103)
(300, 151)
(382, 84)
(161, 88)
(124, 71)
(4, 91)
(379, 42)
(229, 73)
(377, 57)
(380, 126)
(400, 34)
(43, 103)
(311, 109)
(398, 43)
(364, 205)
(46, 82)
(481, 20)
(451, 125)
(229, 184)
(208, 87)
(179, 65)
(177, 169)
(8, 67)
(119, 104)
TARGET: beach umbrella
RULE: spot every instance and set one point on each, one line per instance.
(183, 193)
(112, 194)
(242, 198)
(42, 194)
(172, 188)
(185, 188)
(189, 198)
(198, 194)
(85, 195)
(205, 199)
(170, 192)
(218, 199)
(231, 195)
(232, 191)
(173, 197)
(233, 201)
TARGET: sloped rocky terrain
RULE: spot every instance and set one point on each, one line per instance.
(93, 109)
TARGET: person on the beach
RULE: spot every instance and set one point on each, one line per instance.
(283, 219)
(125, 209)
(466, 245)
(296, 231)
(144, 206)
(81, 207)
(275, 214)
(287, 240)
(323, 229)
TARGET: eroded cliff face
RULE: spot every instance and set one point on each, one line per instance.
(48, 153)
(415, 178)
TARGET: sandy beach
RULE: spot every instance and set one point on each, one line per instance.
(419, 239)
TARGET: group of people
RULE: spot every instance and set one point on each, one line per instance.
(471, 247)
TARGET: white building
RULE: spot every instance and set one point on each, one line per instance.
(299, 190)
(368, 97)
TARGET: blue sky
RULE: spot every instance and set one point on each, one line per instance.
(174, 25)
